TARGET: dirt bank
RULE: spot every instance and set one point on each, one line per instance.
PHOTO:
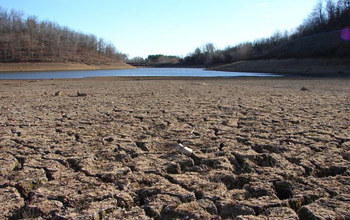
(296, 67)
(47, 66)
(262, 148)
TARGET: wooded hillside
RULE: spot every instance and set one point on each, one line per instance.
(25, 39)
(325, 33)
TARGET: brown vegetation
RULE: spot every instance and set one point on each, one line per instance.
(25, 39)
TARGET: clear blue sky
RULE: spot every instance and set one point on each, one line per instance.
(171, 27)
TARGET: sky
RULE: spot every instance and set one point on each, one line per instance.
(169, 27)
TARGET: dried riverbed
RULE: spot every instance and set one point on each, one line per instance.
(262, 148)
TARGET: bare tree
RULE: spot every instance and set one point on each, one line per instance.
(208, 51)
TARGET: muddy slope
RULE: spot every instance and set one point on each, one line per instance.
(294, 67)
(58, 66)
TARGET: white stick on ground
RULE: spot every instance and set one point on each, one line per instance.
(185, 150)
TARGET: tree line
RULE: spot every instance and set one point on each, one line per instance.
(25, 39)
(317, 36)
(157, 60)
(328, 16)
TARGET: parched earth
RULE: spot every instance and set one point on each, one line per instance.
(262, 148)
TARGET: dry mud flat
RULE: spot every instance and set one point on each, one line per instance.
(262, 148)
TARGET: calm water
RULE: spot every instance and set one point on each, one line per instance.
(191, 72)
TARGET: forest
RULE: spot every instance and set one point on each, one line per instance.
(318, 36)
(25, 39)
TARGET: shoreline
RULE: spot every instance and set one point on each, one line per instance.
(284, 67)
(57, 66)
(291, 67)
(182, 78)
(194, 80)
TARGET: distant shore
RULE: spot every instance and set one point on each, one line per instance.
(289, 67)
(58, 66)
(293, 67)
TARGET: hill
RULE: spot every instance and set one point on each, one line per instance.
(324, 37)
(25, 39)
(297, 67)
(322, 54)
(326, 44)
